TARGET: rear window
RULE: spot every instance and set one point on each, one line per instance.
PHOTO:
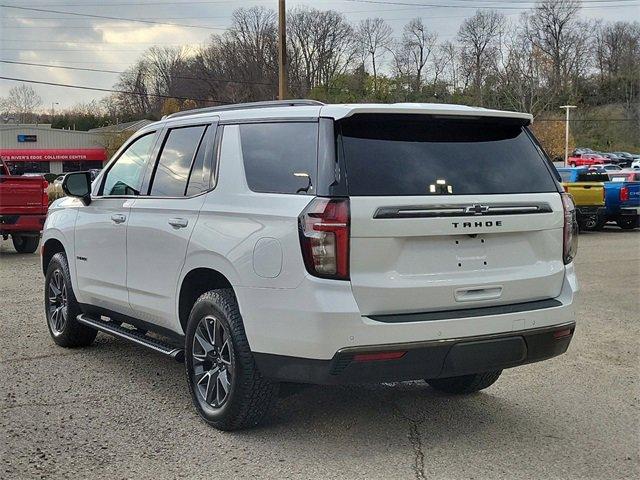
(280, 157)
(417, 155)
(593, 177)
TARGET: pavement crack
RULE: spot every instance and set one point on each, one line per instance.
(415, 437)
(416, 441)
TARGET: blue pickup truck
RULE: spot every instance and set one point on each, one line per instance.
(621, 195)
(622, 199)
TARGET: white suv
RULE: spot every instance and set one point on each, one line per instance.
(301, 242)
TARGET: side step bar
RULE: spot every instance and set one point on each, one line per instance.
(133, 336)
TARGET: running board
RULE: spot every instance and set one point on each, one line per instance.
(133, 336)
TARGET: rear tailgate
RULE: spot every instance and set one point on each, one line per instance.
(449, 214)
(586, 193)
(22, 195)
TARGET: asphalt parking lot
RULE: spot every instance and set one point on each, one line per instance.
(115, 410)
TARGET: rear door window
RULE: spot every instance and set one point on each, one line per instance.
(394, 155)
(174, 165)
(280, 157)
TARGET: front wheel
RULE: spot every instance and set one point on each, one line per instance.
(61, 306)
(465, 383)
(226, 387)
(628, 222)
(25, 243)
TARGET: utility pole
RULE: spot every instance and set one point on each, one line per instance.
(566, 133)
(282, 50)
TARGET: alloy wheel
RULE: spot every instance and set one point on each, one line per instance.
(58, 302)
(212, 355)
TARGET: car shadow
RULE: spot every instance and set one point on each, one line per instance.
(383, 415)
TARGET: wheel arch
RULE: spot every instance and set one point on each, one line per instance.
(196, 282)
(49, 248)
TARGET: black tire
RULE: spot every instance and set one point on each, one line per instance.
(63, 326)
(627, 222)
(600, 225)
(465, 383)
(25, 243)
(248, 396)
(590, 223)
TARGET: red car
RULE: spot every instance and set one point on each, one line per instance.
(23, 208)
(586, 159)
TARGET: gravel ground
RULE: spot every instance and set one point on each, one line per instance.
(118, 411)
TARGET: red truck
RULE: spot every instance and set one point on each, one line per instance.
(586, 160)
(23, 208)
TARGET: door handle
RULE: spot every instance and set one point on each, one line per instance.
(178, 222)
(118, 218)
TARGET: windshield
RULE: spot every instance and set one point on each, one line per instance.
(421, 155)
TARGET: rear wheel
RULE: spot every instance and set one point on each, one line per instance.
(628, 222)
(226, 387)
(465, 383)
(592, 223)
(25, 243)
(61, 307)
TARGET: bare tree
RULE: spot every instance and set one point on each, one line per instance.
(22, 102)
(522, 85)
(374, 38)
(321, 46)
(553, 28)
(479, 38)
(241, 65)
(417, 45)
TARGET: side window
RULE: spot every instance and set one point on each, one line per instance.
(200, 177)
(280, 157)
(172, 172)
(125, 176)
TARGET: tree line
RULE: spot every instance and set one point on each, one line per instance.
(547, 57)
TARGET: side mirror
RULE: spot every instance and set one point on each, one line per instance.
(78, 184)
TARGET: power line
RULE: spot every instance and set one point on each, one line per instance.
(110, 90)
(474, 7)
(108, 17)
(118, 72)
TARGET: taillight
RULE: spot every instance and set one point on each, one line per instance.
(624, 194)
(324, 237)
(45, 195)
(570, 235)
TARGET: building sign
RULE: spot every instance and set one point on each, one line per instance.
(27, 138)
(52, 155)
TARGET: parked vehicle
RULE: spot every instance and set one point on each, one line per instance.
(580, 150)
(586, 159)
(612, 158)
(622, 200)
(627, 158)
(23, 208)
(610, 167)
(586, 186)
(300, 242)
(635, 164)
(627, 175)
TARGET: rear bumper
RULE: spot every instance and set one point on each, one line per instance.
(632, 211)
(321, 317)
(24, 224)
(587, 210)
(422, 360)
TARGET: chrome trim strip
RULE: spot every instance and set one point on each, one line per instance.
(462, 210)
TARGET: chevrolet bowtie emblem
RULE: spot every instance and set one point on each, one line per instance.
(476, 209)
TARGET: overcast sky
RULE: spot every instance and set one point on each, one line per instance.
(58, 39)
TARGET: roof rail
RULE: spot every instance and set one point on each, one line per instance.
(243, 106)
